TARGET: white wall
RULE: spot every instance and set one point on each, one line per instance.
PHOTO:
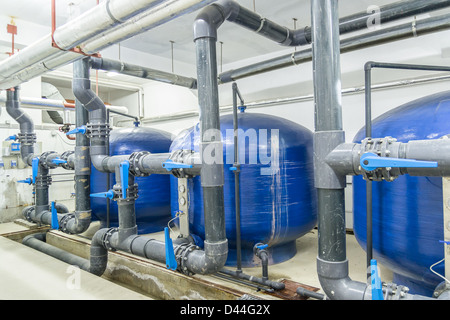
(15, 196)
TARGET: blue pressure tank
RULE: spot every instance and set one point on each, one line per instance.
(408, 212)
(153, 202)
(277, 194)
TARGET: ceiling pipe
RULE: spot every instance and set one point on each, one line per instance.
(94, 21)
(160, 14)
(378, 37)
(142, 72)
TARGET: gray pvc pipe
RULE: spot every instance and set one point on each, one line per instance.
(98, 254)
(25, 122)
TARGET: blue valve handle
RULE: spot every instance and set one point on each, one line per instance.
(108, 194)
(171, 262)
(124, 171)
(27, 180)
(262, 246)
(35, 168)
(370, 161)
(169, 165)
(81, 130)
(14, 137)
(377, 291)
(58, 161)
(55, 223)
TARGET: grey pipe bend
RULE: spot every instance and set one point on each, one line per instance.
(26, 125)
(98, 254)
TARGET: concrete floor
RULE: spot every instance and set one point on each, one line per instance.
(28, 274)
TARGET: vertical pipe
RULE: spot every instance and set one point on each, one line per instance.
(237, 182)
(328, 118)
(211, 146)
(368, 111)
(82, 169)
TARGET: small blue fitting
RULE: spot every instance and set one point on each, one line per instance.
(242, 109)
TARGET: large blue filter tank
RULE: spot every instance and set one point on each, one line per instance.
(153, 202)
(408, 212)
(277, 194)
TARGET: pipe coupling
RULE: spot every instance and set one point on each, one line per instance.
(28, 138)
(136, 167)
(97, 130)
(64, 221)
(382, 147)
(181, 255)
(106, 239)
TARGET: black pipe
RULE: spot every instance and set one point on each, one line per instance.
(272, 284)
(142, 72)
(386, 35)
(310, 294)
(27, 137)
(136, 119)
(237, 166)
(368, 130)
(384, 14)
(98, 254)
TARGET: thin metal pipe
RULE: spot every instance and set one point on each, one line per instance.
(237, 170)
(368, 130)
(368, 117)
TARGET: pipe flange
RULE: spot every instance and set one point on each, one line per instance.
(98, 130)
(65, 156)
(64, 220)
(43, 181)
(179, 156)
(132, 193)
(135, 163)
(26, 213)
(44, 161)
(106, 239)
(27, 138)
(380, 147)
(181, 255)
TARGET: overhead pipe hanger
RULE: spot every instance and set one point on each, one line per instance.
(55, 45)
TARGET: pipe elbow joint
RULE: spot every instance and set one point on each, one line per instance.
(209, 261)
(337, 285)
(211, 18)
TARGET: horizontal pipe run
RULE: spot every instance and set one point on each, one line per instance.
(403, 31)
(142, 72)
(265, 282)
(94, 21)
(152, 163)
(96, 264)
(138, 24)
